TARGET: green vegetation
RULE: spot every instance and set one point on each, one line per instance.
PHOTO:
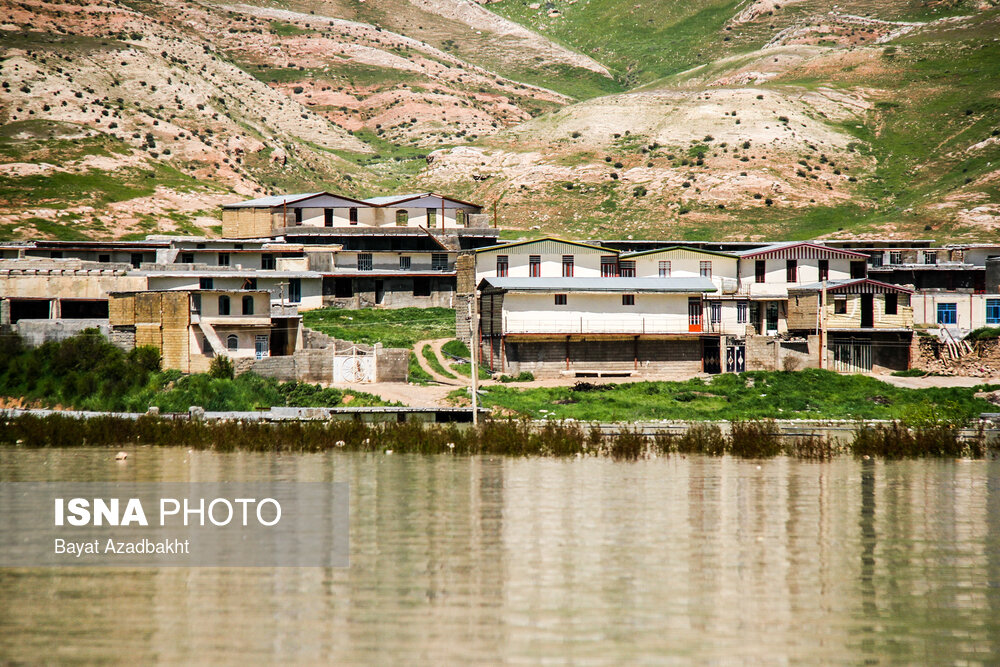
(434, 362)
(457, 348)
(983, 333)
(87, 372)
(287, 29)
(416, 374)
(753, 439)
(808, 394)
(523, 376)
(398, 327)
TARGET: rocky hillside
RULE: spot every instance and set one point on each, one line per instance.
(580, 117)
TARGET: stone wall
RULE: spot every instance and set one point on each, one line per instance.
(392, 364)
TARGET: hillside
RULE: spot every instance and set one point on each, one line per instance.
(579, 117)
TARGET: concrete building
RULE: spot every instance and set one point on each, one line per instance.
(595, 325)
(862, 325)
(190, 327)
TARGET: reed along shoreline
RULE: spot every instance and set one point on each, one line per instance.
(755, 439)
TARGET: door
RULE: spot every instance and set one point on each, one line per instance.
(379, 291)
(328, 217)
(261, 347)
(852, 357)
(694, 315)
(736, 359)
(710, 355)
(771, 317)
(867, 311)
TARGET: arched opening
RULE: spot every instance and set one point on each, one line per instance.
(232, 342)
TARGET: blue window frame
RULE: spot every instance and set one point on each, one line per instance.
(992, 311)
(947, 313)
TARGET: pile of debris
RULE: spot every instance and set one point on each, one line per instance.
(959, 357)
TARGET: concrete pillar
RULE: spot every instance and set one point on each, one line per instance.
(4, 312)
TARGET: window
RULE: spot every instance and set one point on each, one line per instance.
(626, 269)
(567, 266)
(840, 305)
(404, 263)
(352, 216)
(223, 305)
(421, 286)
(187, 258)
(104, 258)
(223, 259)
(364, 261)
(992, 311)
(247, 305)
(759, 271)
(460, 218)
(431, 218)
(233, 341)
(791, 271)
(947, 313)
(136, 260)
(534, 266)
(715, 311)
(56, 254)
(502, 266)
(930, 257)
(249, 283)
(741, 312)
(609, 266)
(705, 269)
(196, 303)
(560, 299)
(665, 269)
(206, 347)
(859, 269)
(628, 299)
(298, 216)
(267, 262)
(895, 257)
(439, 261)
(295, 290)
(206, 283)
(824, 269)
(343, 288)
(328, 217)
(891, 304)
(402, 218)
(875, 259)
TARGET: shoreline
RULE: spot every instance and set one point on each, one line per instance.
(821, 440)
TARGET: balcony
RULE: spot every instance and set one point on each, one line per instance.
(636, 325)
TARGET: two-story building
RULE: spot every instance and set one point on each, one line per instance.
(190, 327)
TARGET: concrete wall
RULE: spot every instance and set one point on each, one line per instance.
(595, 313)
(971, 308)
(36, 332)
(686, 264)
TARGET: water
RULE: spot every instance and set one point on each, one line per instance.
(495, 560)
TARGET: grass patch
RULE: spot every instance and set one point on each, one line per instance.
(434, 362)
(399, 327)
(87, 372)
(808, 394)
(416, 374)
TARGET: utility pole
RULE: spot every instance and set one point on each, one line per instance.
(474, 354)
(822, 326)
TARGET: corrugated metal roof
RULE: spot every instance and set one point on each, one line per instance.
(701, 251)
(852, 286)
(272, 201)
(394, 199)
(798, 250)
(667, 285)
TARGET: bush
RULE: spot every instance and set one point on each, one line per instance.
(984, 333)
(221, 368)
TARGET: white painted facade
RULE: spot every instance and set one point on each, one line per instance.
(595, 313)
(972, 311)
(551, 252)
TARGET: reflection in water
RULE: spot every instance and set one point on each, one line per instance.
(516, 560)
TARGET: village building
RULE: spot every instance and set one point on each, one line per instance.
(190, 327)
(595, 325)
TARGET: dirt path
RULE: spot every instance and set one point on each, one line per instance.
(936, 381)
(436, 347)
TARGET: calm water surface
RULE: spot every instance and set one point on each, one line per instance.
(495, 560)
